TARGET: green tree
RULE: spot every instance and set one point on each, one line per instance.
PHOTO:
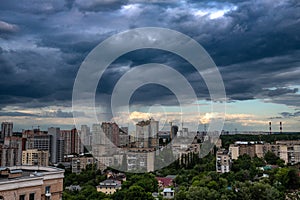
(264, 191)
(271, 158)
(136, 192)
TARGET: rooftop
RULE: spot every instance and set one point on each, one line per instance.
(27, 172)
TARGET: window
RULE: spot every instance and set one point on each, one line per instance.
(22, 197)
(31, 196)
(47, 189)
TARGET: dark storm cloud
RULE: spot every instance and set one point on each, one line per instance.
(99, 5)
(281, 91)
(289, 114)
(16, 114)
(60, 114)
(49, 114)
(33, 6)
(255, 44)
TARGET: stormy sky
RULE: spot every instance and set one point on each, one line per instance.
(255, 45)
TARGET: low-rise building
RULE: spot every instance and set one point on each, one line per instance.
(168, 193)
(31, 182)
(109, 186)
(164, 182)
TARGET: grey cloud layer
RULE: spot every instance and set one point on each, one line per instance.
(255, 44)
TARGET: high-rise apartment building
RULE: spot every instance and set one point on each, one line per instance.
(72, 142)
(35, 157)
(6, 130)
(11, 151)
(42, 142)
(57, 145)
(85, 134)
(111, 131)
(147, 133)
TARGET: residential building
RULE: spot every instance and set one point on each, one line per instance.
(234, 152)
(109, 186)
(86, 136)
(36, 139)
(72, 142)
(109, 160)
(99, 138)
(124, 137)
(6, 130)
(31, 182)
(35, 157)
(111, 131)
(57, 145)
(147, 134)
(223, 161)
(80, 163)
(168, 193)
(140, 161)
(11, 151)
(289, 150)
(164, 182)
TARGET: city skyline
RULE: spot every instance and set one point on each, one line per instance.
(255, 46)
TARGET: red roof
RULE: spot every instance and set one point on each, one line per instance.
(164, 182)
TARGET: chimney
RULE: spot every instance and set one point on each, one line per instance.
(280, 127)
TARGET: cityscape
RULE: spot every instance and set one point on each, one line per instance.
(149, 100)
(34, 162)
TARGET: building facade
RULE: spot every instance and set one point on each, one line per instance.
(43, 183)
(289, 150)
(112, 132)
(35, 157)
(109, 186)
(146, 135)
(223, 161)
(57, 145)
(11, 151)
(6, 130)
(72, 142)
(80, 163)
